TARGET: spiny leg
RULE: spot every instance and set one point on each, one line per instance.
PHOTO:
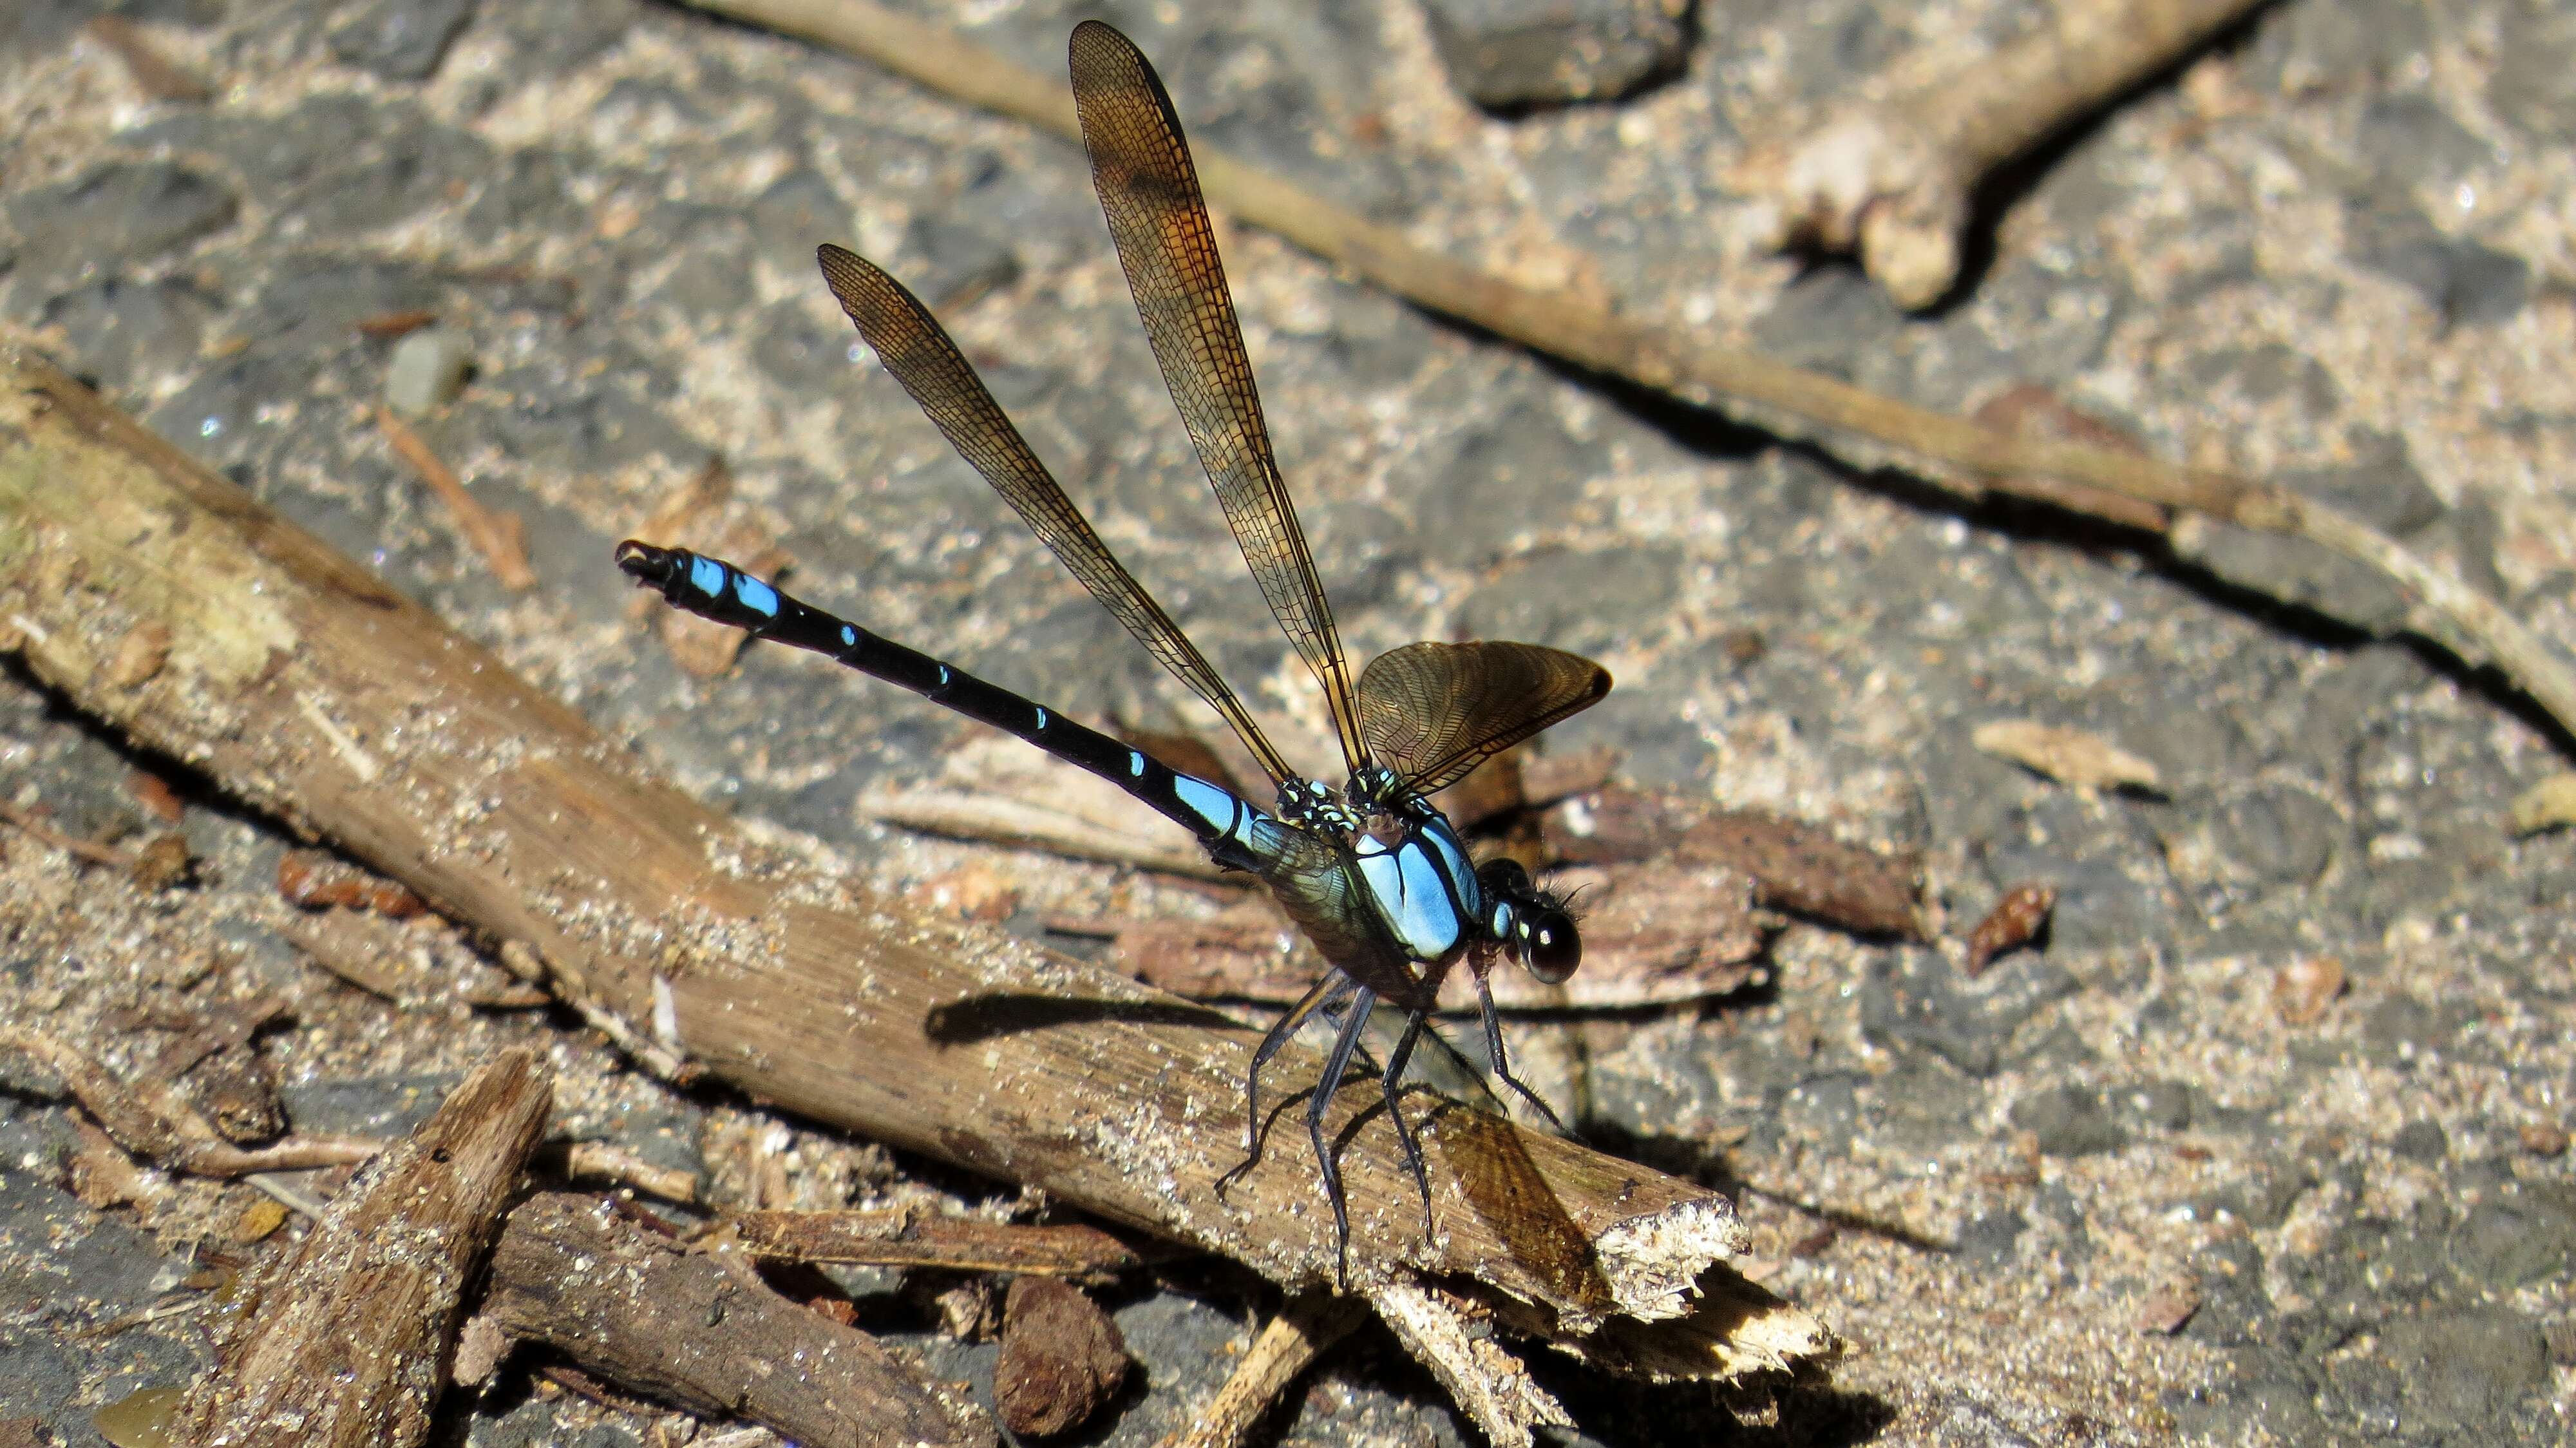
(1393, 1086)
(1362, 999)
(1328, 990)
(1502, 1063)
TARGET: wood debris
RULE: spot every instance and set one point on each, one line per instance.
(2548, 805)
(498, 535)
(1894, 175)
(342, 1340)
(629, 1305)
(2074, 757)
(1062, 1358)
(904, 1237)
(2016, 921)
(1307, 1326)
(315, 879)
(151, 1119)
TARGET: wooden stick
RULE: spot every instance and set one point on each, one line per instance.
(151, 1119)
(1957, 454)
(901, 1237)
(704, 1333)
(343, 1340)
(301, 685)
(1894, 177)
(1306, 1326)
(497, 536)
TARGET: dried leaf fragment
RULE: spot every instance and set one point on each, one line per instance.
(2016, 921)
(2303, 989)
(2069, 756)
(314, 880)
(1062, 1357)
(2548, 805)
(2166, 1309)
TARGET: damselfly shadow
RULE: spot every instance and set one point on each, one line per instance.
(1373, 872)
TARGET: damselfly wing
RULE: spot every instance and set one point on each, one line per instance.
(1373, 872)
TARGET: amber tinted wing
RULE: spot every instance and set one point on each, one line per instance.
(921, 357)
(1150, 192)
(1432, 712)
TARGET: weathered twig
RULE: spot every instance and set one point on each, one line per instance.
(1957, 453)
(151, 1119)
(1893, 176)
(343, 1340)
(86, 851)
(391, 960)
(704, 1333)
(301, 684)
(901, 1237)
(1306, 1326)
(497, 536)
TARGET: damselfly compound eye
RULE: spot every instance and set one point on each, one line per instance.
(1549, 946)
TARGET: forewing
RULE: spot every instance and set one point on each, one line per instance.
(920, 355)
(1431, 712)
(1150, 192)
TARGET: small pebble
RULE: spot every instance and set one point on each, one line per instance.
(2542, 1139)
(427, 372)
(2303, 989)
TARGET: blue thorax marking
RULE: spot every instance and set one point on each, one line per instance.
(1424, 888)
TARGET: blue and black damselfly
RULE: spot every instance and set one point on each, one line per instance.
(1373, 872)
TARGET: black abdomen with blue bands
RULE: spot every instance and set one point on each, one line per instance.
(1233, 831)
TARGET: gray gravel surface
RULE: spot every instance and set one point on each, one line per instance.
(2335, 251)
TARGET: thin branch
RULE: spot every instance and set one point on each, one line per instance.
(497, 536)
(1894, 177)
(1790, 401)
(153, 1121)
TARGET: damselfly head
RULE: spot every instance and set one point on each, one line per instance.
(1530, 924)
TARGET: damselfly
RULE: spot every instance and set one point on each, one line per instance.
(1373, 872)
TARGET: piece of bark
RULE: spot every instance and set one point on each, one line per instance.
(313, 880)
(1062, 1358)
(1306, 1326)
(1894, 175)
(415, 965)
(1794, 865)
(903, 1237)
(701, 1332)
(300, 684)
(2016, 921)
(343, 1339)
